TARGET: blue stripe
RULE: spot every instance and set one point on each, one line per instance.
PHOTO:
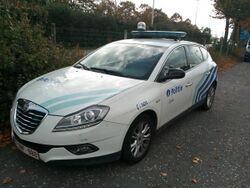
(74, 95)
(74, 103)
(207, 84)
(202, 86)
(197, 87)
(203, 94)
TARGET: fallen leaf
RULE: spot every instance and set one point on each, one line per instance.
(194, 180)
(178, 146)
(196, 160)
(7, 180)
(164, 174)
(22, 171)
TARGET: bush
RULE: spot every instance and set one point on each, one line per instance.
(25, 53)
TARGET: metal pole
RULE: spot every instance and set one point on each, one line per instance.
(196, 13)
(153, 14)
(125, 34)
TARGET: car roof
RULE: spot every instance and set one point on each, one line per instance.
(156, 42)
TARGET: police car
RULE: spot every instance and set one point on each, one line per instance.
(109, 104)
(247, 52)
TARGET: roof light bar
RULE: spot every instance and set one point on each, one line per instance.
(159, 34)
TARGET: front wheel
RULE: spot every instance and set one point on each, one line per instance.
(209, 98)
(138, 139)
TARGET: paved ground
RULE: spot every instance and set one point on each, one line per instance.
(220, 138)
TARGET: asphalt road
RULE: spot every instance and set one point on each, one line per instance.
(220, 138)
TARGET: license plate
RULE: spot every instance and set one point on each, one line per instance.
(28, 151)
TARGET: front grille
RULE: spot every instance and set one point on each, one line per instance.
(28, 116)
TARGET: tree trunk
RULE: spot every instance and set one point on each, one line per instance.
(237, 37)
(226, 34)
(235, 34)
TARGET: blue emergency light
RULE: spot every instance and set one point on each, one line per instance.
(159, 34)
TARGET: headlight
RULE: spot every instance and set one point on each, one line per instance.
(85, 118)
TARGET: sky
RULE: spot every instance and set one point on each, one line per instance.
(187, 9)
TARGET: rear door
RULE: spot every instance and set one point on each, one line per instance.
(199, 69)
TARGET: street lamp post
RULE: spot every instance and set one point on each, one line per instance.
(196, 12)
(153, 14)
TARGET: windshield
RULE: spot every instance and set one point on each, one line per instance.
(126, 60)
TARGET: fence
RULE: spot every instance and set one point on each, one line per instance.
(89, 38)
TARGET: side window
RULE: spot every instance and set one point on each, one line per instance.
(195, 56)
(177, 59)
(204, 53)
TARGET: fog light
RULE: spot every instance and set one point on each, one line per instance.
(82, 149)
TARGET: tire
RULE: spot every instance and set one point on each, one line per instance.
(209, 98)
(138, 139)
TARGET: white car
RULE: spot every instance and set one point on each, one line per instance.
(247, 52)
(109, 104)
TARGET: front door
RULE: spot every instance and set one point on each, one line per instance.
(176, 93)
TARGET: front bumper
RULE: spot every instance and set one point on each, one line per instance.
(107, 137)
(85, 161)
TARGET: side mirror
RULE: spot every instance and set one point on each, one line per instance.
(171, 74)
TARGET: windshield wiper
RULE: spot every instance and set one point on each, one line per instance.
(106, 71)
(81, 66)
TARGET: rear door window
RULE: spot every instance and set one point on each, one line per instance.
(194, 56)
(204, 53)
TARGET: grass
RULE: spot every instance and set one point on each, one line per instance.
(226, 62)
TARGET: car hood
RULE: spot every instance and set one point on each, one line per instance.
(68, 90)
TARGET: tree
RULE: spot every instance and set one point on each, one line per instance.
(223, 10)
(233, 11)
(160, 16)
(86, 5)
(188, 21)
(206, 35)
(25, 51)
(145, 13)
(107, 8)
(176, 17)
(127, 11)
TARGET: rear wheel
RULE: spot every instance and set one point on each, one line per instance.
(138, 139)
(209, 98)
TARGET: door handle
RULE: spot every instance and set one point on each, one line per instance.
(189, 84)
